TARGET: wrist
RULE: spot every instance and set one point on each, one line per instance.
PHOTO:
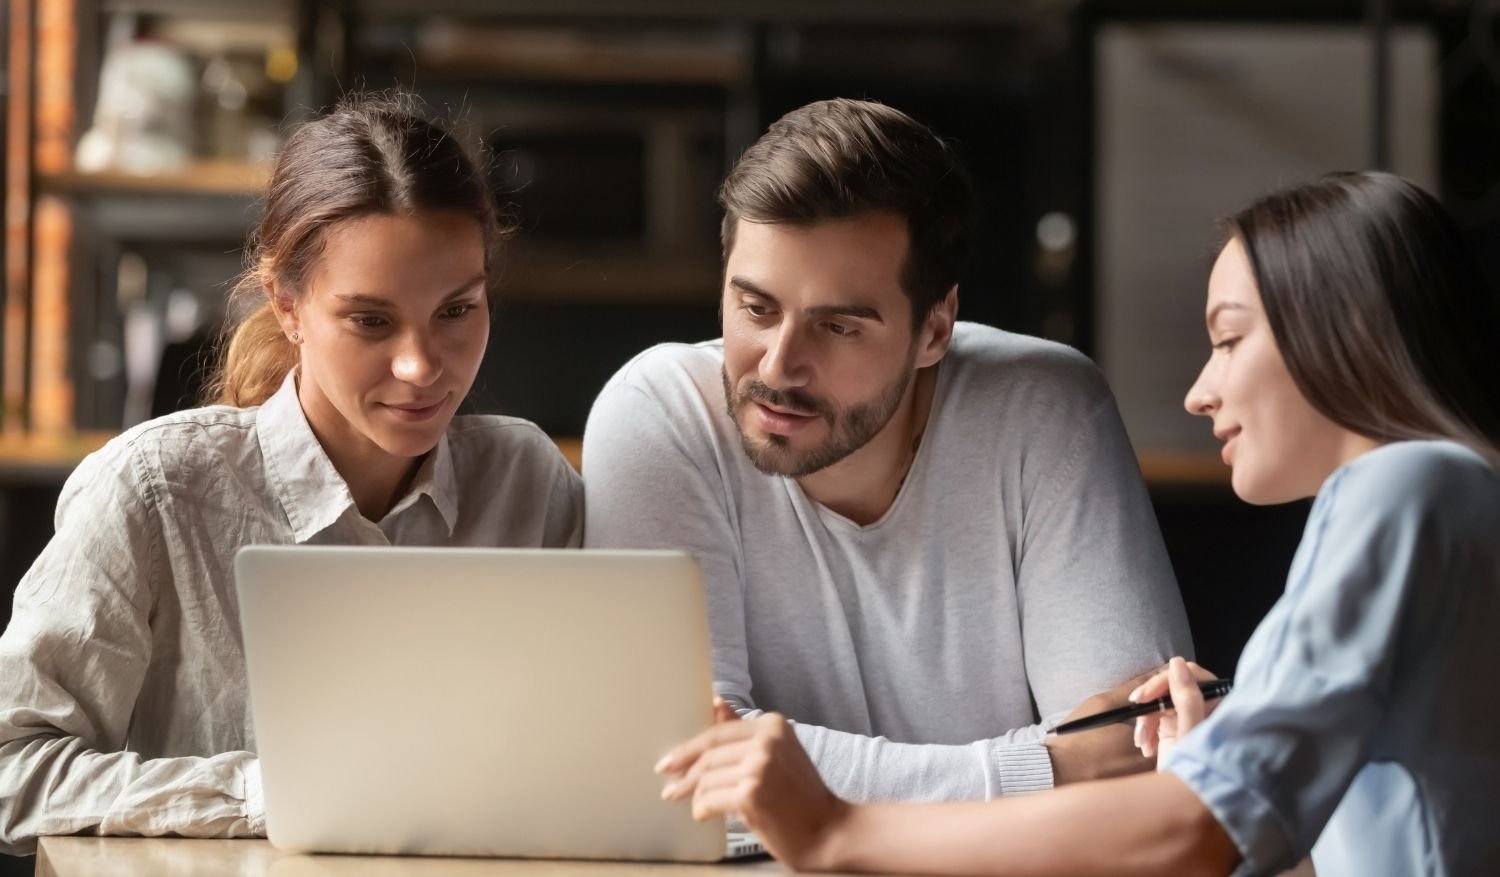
(1095, 755)
(840, 840)
(1064, 767)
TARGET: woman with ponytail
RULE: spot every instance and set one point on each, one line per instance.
(123, 703)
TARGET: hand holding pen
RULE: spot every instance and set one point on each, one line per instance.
(1158, 732)
(1164, 707)
(1210, 690)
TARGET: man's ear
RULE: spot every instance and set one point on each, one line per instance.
(937, 330)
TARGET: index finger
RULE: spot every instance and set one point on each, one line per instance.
(1187, 700)
(1153, 688)
(1160, 684)
(682, 756)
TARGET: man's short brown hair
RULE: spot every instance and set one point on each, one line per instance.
(841, 158)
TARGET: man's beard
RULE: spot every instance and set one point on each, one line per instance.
(848, 430)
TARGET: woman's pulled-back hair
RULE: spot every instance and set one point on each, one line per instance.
(1379, 309)
(372, 154)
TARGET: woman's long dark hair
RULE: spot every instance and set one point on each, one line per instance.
(1379, 309)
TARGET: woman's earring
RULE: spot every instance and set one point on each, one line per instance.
(296, 337)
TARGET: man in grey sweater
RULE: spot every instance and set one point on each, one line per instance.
(922, 540)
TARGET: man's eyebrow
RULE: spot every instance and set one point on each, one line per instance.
(359, 298)
(859, 312)
(744, 285)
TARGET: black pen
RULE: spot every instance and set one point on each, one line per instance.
(1211, 690)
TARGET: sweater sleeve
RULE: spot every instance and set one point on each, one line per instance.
(869, 770)
(1096, 593)
(647, 485)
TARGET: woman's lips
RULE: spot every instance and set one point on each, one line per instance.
(415, 412)
(1229, 440)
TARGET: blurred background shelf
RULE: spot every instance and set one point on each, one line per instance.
(38, 458)
(232, 178)
(1175, 470)
(610, 124)
(608, 127)
(209, 10)
(45, 459)
(890, 12)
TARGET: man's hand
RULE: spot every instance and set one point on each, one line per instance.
(757, 770)
(1103, 752)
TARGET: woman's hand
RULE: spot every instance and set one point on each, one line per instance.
(1158, 733)
(757, 770)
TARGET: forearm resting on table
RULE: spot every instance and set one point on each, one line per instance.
(861, 768)
(60, 786)
(1146, 825)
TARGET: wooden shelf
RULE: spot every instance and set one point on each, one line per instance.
(520, 53)
(843, 11)
(34, 458)
(572, 449)
(264, 10)
(237, 179)
(26, 457)
(41, 458)
(1183, 469)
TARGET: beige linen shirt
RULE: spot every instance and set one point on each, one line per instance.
(123, 701)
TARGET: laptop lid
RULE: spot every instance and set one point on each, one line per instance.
(448, 701)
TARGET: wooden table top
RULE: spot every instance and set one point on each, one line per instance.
(173, 857)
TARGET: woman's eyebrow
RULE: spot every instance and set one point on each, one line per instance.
(367, 300)
(1213, 313)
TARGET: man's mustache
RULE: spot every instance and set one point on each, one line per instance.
(796, 400)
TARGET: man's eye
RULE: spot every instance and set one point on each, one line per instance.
(842, 331)
(756, 310)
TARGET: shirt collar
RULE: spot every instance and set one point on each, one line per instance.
(310, 489)
(434, 480)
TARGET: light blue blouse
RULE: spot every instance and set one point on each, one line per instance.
(1365, 720)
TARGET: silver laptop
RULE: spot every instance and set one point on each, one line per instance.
(476, 702)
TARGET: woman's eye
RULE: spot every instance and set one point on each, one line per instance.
(368, 321)
(1226, 344)
(458, 311)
